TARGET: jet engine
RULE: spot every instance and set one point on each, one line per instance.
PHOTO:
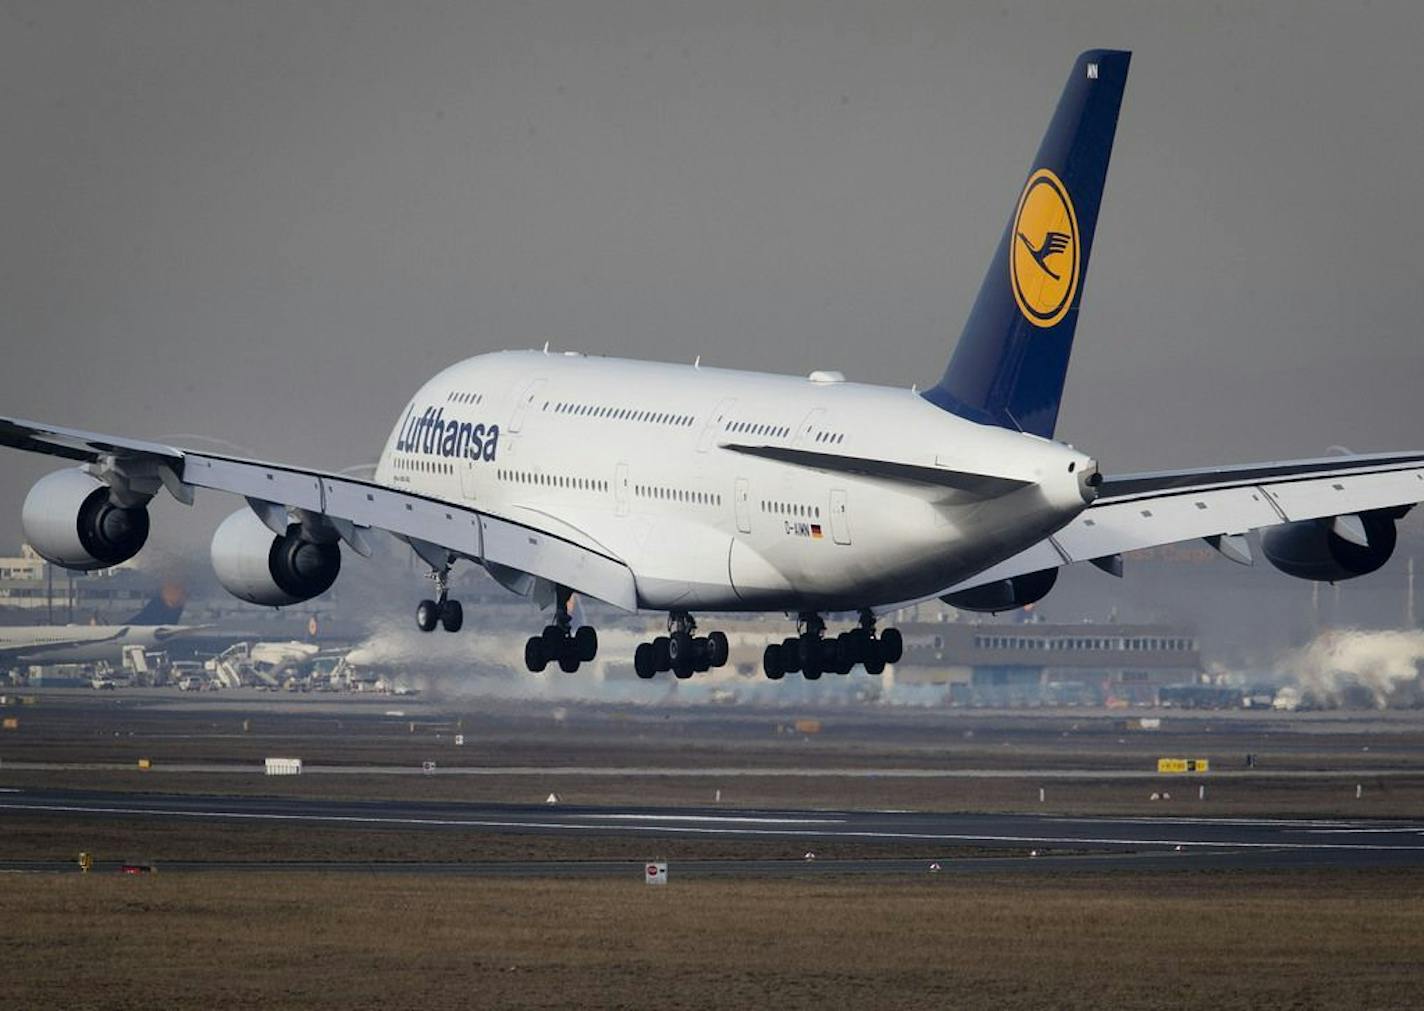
(1329, 549)
(1006, 594)
(260, 567)
(71, 519)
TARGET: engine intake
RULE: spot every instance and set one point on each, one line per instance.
(1005, 595)
(70, 519)
(260, 567)
(1311, 549)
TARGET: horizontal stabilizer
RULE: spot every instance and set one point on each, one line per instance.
(979, 485)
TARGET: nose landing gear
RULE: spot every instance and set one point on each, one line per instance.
(442, 610)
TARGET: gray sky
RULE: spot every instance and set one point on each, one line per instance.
(269, 222)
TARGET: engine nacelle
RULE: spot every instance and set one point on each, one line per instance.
(260, 567)
(1311, 549)
(1006, 594)
(70, 520)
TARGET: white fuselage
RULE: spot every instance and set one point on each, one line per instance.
(633, 459)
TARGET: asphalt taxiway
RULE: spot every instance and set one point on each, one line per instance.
(1039, 841)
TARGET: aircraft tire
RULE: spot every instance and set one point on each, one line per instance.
(427, 615)
(452, 615)
(586, 642)
(643, 664)
(791, 655)
(536, 657)
(719, 648)
(892, 645)
(771, 661)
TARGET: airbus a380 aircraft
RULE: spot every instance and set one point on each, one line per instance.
(684, 489)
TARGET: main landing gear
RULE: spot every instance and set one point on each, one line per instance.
(558, 643)
(442, 610)
(681, 651)
(811, 653)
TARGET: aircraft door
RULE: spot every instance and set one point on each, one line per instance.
(715, 422)
(467, 477)
(840, 521)
(742, 499)
(620, 489)
(526, 399)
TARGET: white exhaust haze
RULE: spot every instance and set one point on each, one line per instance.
(1383, 663)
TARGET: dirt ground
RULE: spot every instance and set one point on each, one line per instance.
(312, 939)
(1242, 940)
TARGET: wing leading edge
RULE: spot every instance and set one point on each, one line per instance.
(1136, 511)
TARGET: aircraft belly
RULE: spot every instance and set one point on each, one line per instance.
(681, 566)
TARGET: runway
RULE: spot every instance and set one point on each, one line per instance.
(1363, 773)
(1039, 841)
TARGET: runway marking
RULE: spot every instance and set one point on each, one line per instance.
(1331, 824)
(713, 818)
(1067, 841)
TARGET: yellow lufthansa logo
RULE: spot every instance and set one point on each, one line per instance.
(1044, 264)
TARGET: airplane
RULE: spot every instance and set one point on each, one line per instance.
(683, 488)
(151, 627)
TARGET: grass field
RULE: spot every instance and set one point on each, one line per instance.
(1300, 940)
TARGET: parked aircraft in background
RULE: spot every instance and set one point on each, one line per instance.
(151, 628)
(684, 489)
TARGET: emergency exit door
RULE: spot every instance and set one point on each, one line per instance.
(742, 499)
(840, 520)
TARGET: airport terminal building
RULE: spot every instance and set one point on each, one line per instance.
(1031, 663)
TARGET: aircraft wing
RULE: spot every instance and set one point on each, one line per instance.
(1136, 511)
(563, 556)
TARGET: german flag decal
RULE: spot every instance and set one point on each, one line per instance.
(816, 531)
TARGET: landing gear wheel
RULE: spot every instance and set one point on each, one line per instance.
(808, 652)
(536, 656)
(845, 653)
(791, 655)
(771, 662)
(892, 645)
(875, 665)
(682, 654)
(718, 649)
(662, 648)
(586, 643)
(427, 615)
(643, 663)
(569, 661)
(452, 615)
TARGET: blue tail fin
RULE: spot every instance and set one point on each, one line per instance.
(165, 608)
(1009, 365)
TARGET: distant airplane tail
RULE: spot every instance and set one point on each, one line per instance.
(164, 608)
(1009, 365)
